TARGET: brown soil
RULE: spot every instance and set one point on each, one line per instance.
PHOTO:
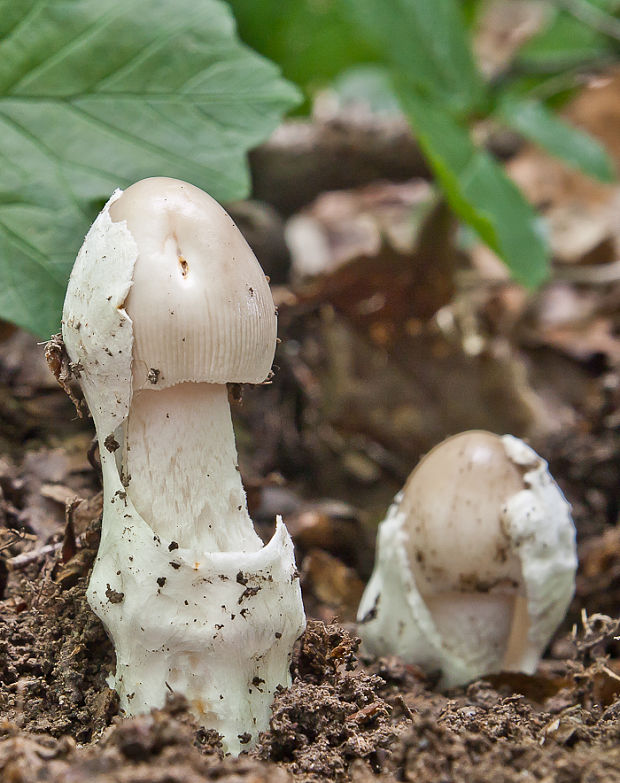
(367, 382)
(345, 718)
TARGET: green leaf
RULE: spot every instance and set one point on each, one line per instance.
(32, 275)
(533, 120)
(478, 190)
(311, 41)
(563, 43)
(426, 41)
(95, 94)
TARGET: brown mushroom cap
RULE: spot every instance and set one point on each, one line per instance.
(200, 303)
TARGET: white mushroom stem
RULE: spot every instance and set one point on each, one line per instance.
(180, 466)
(217, 627)
(486, 616)
(166, 305)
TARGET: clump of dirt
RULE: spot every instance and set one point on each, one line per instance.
(504, 745)
(587, 466)
(54, 652)
(594, 673)
(569, 733)
(345, 718)
(333, 714)
(162, 746)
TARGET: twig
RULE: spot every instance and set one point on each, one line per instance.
(405, 707)
(570, 78)
(365, 713)
(26, 558)
(592, 274)
(18, 535)
(610, 673)
(69, 544)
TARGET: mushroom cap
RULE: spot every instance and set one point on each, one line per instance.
(452, 505)
(199, 303)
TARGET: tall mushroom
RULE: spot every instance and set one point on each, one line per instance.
(475, 562)
(165, 305)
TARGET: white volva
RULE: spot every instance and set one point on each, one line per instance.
(475, 563)
(165, 305)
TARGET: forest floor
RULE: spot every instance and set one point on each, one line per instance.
(395, 335)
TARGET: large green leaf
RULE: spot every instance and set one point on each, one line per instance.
(33, 276)
(95, 94)
(538, 124)
(311, 41)
(427, 42)
(478, 190)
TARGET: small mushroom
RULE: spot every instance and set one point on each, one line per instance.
(475, 563)
(167, 304)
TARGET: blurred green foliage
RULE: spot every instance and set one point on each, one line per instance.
(311, 40)
(95, 94)
(422, 57)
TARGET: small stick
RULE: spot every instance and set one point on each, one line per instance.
(26, 558)
(19, 562)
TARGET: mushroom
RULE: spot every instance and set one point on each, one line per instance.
(475, 563)
(167, 304)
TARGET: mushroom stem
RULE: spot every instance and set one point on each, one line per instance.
(487, 616)
(180, 465)
(166, 305)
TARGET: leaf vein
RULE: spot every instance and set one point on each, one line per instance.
(65, 50)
